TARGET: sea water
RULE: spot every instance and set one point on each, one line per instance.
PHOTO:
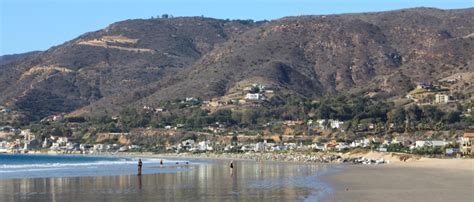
(32, 166)
(96, 178)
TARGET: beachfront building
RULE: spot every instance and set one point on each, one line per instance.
(186, 145)
(204, 146)
(85, 147)
(430, 143)
(467, 144)
(360, 143)
(260, 146)
(99, 147)
(62, 140)
(46, 143)
(4, 146)
(54, 146)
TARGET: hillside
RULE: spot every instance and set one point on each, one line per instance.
(4, 59)
(140, 62)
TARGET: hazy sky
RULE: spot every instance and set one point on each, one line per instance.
(27, 25)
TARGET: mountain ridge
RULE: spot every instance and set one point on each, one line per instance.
(140, 62)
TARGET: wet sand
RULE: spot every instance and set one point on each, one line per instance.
(250, 181)
(423, 180)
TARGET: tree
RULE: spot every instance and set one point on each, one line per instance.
(452, 117)
(224, 116)
(414, 113)
(396, 116)
(131, 118)
(189, 136)
(249, 117)
(432, 113)
(325, 111)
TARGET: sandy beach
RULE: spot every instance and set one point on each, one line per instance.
(421, 180)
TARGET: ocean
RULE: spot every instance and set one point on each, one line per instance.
(32, 166)
(26, 177)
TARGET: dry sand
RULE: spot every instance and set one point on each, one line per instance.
(417, 180)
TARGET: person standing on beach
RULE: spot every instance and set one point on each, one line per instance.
(140, 164)
(232, 168)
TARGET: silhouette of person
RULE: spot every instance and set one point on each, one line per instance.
(140, 164)
(231, 168)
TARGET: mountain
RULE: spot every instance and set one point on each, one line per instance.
(4, 59)
(138, 62)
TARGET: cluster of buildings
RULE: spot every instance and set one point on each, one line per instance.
(250, 95)
(4, 109)
(256, 92)
(466, 145)
(24, 140)
(327, 124)
(423, 91)
(73, 147)
(209, 146)
(153, 109)
(27, 142)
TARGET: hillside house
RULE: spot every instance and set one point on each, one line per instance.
(254, 96)
(260, 87)
(191, 99)
(329, 123)
(426, 86)
(5, 109)
(442, 99)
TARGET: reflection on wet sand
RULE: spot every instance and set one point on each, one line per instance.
(139, 181)
(248, 181)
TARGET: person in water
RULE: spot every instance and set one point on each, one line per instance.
(140, 164)
(161, 163)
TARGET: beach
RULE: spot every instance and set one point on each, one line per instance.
(421, 180)
(211, 179)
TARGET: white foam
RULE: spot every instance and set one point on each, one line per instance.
(24, 167)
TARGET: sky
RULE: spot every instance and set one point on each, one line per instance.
(28, 25)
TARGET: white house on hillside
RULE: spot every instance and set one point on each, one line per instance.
(253, 96)
(329, 123)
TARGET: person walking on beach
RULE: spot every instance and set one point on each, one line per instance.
(140, 164)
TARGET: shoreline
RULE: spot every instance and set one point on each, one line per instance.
(297, 157)
(419, 179)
